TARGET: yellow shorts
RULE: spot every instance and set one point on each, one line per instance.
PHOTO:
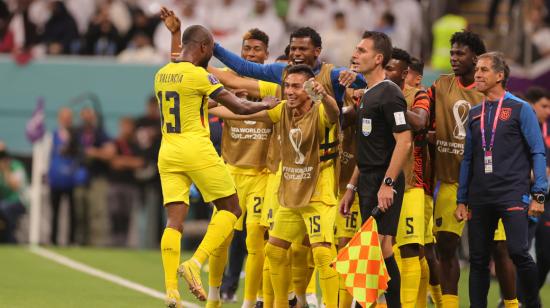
(411, 226)
(445, 206)
(251, 190)
(316, 220)
(346, 227)
(429, 237)
(214, 182)
(271, 199)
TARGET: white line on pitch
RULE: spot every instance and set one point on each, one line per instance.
(50, 255)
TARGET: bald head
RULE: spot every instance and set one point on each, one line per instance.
(196, 34)
(198, 45)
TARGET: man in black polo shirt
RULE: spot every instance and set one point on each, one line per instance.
(383, 143)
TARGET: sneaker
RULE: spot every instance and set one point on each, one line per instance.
(191, 272)
(173, 299)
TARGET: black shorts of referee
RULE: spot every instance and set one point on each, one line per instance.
(368, 186)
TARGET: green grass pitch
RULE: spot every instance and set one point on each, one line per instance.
(29, 280)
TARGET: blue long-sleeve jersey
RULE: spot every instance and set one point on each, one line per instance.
(518, 149)
(273, 72)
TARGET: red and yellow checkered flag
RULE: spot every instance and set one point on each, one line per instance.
(362, 265)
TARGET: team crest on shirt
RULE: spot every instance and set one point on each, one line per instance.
(213, 80)
(366, 127)
(505, 114)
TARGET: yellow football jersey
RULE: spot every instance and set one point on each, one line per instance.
(324, 191)
(182, 90)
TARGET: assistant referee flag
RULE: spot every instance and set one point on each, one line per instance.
(362, 265)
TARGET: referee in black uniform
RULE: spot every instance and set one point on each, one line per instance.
(383, 144)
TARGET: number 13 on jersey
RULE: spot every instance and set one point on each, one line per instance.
(171, 101)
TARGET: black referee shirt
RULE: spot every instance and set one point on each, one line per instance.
(381, 113)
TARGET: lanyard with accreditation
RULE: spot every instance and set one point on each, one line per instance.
(488, 152)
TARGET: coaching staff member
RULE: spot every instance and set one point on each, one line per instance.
(383, 145)
(503, 145)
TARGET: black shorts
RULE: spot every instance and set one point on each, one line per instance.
(367, 189)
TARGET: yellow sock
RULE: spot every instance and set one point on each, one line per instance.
(511, 303)
(312, 285)
(170, 245)
(328, 277)
(267, 288)
(254, 261)
(300, 269)
(217, 262)
(422, 296)
(449, 300)
(410, 281)
(220, 227)
(435, 292)
(280, 273)
(397, 256)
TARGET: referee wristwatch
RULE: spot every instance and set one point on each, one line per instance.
(388, 181)
(539, 197)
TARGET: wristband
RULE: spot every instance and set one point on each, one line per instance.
(351, 187)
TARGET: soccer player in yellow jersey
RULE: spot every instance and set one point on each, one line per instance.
(187, 156)
(244, 149)
(307, 190)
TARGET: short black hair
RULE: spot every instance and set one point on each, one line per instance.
(401, 55)
(534, 94)
(382, 44)
(307, 32)
(301, 69)
(417, 65)
(470, 39)
(256, 34)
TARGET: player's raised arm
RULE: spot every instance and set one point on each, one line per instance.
(234, 81)
(331, 107)
(173, 24)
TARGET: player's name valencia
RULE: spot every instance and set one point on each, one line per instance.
(169, 78)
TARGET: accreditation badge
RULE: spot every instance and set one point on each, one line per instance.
(488, 162)
(366, 127)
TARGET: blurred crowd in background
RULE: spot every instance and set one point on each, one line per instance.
(131, 29)
(110, 184)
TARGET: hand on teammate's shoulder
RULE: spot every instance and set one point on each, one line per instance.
(271, 101)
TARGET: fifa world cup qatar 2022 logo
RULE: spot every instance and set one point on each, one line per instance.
(295, 137)
(460, 113)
